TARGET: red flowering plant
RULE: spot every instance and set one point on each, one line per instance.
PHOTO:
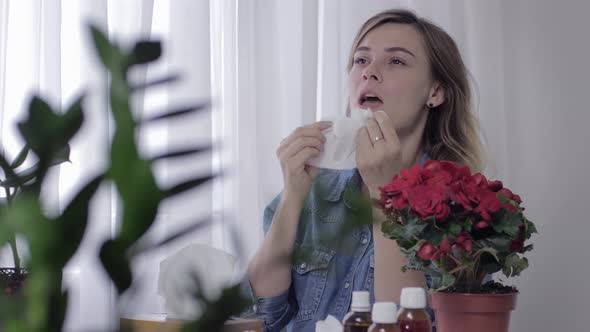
(455, 226)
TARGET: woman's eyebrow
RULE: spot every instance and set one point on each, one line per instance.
(388, 49)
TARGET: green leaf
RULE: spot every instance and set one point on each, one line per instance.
(8, 171)
(183, 153)
(530, 229)
(112, 256)
(406, 232)
(61, 156)
(109, 54)
(145, 52)
(455, 229)
(514, 265)
(40, 124)
(490, 267)
(57, 310)
(72, 121)
(503, 199)
(48, 133)
(446, 281)
(488, 250)
(500, 242)
(24, 176)
(218, 311)
(188, 185)
(433, 235)
(72, 223)
(467, 225)
(156, 82)
(179, 112)
(21, 157)
(508, 223)
(21, 178)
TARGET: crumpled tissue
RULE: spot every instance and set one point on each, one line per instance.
(340, 146)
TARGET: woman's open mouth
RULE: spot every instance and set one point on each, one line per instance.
(370, 101)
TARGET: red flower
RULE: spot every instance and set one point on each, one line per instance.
(464, 241)
(489, 203)
(445, 245)
(467, 192)
(448, 170)
(447, 192)
(511, 208)
(394, 194)
(510, 195)
(495, 186)
(481, 225)
(428, 201)
(516, 246)
(480, 180)
(426, 251)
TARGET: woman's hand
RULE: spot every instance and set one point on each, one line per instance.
(294, 151)
(378, 152)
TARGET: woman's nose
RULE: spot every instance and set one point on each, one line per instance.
(370, 73)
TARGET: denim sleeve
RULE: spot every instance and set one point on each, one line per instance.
(275, 312)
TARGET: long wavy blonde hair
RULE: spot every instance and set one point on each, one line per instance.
(452, 129)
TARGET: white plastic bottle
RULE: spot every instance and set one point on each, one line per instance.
(384, 317)
(413, 316)
(359, 317)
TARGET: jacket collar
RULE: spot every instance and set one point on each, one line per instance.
(336, 182)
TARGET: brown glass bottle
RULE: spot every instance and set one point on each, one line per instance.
(414, 320)
(413, 316)
(384, 317)
(359, 318)
(357, 321)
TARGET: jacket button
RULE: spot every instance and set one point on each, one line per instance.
(346, 285)
(364, 241)
(302, 266)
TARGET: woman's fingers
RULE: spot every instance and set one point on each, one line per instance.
(299, 160)
(301, 143)
(313, 130)
(387, 128)
(374, 132)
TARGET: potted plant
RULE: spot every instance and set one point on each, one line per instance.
(53, 239)
(458, 228)
(15, 179)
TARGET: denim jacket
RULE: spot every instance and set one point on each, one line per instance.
(323, 278)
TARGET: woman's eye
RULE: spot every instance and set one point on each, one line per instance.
(360, 61)
(396, 61)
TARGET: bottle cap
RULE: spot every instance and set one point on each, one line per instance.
(413, 298)
(360, 301)
(384, 313)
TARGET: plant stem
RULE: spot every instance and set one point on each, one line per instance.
(12, 240)
(15, 253)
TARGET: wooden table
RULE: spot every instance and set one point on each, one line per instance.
(159, 323)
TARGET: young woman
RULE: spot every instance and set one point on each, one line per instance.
(410, 70)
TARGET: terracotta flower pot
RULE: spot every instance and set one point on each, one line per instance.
(456, 312)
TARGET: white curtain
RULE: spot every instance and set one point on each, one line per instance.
(274, 65)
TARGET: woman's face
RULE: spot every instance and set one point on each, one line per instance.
(391, 72)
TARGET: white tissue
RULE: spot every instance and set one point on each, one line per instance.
(331, 324)
(339, 149)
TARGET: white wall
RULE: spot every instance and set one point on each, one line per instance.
(546, 54)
